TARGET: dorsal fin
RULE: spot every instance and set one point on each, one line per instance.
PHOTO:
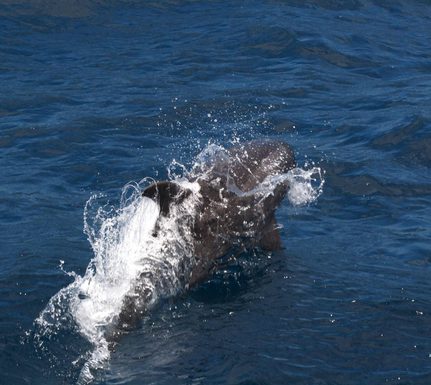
(165, 193)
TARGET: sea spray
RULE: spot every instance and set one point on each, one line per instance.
(305, 185)
(126, 256)
(118, 247)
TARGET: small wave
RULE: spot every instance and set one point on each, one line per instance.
(132, 269)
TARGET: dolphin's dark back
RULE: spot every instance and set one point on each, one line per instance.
(228, 217)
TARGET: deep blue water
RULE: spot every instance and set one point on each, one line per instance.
(95, 94)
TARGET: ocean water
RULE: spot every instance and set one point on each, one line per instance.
(100, 97)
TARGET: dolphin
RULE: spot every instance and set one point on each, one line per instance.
(239, 190)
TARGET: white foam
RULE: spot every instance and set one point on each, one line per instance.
(118, 248)
(305, 185)
(121, 241)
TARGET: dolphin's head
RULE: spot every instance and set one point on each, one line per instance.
(254, 161)
(246, 165)
(166, 193)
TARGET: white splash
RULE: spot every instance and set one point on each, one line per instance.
(124, 249)
(305, 185)
(119, 246)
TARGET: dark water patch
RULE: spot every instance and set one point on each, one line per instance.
(42, 7)
(271, 42)
(391, 6)
(334, 5)
(285, 126)
(237, 273)
(418, 152)
(331, 56)
(13, 136)
(365, 185)
(425, 262)
(299, 92)
(344, 176)
(410, 142)
(401, 134)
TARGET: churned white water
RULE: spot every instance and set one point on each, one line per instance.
(126, 255)
(120, 240)
(119, 245)
(129, 260)
(305, 185)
